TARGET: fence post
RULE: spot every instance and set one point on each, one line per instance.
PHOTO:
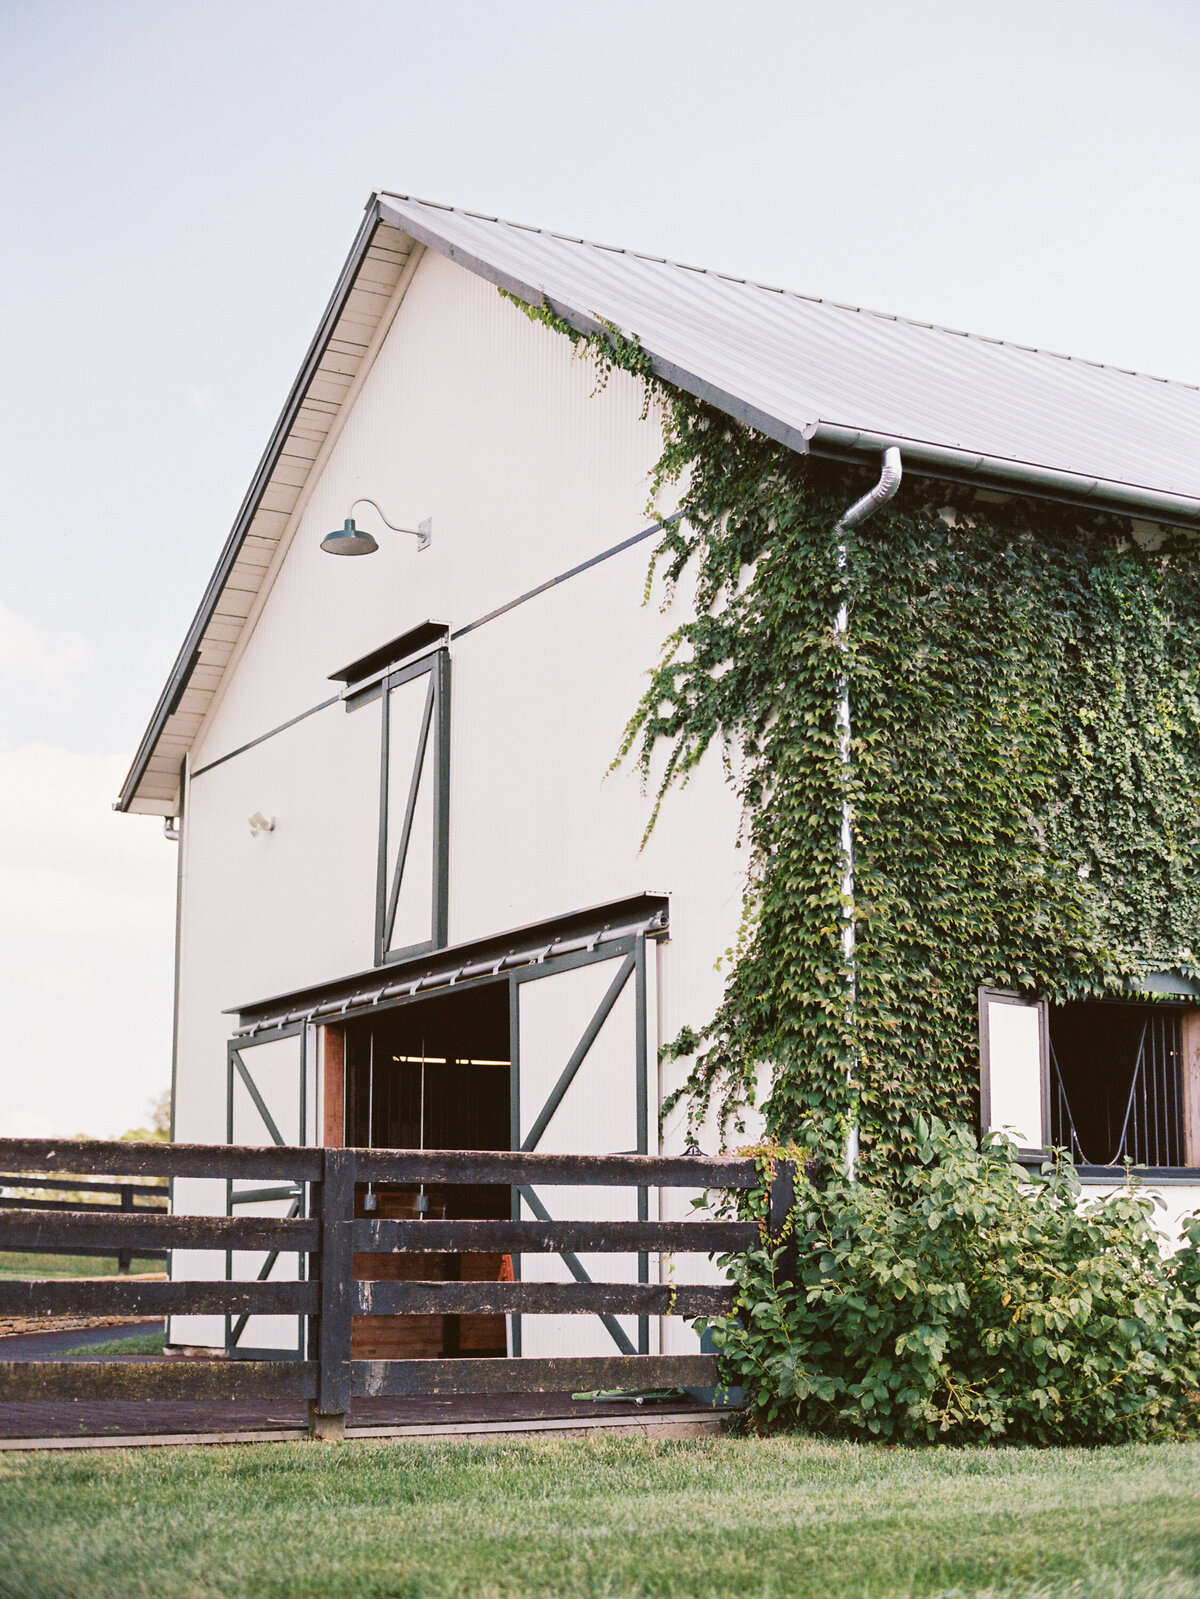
(782, 1199)
(125, 1256)
(329, 1340)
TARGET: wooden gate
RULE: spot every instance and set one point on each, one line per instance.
(328, 1237)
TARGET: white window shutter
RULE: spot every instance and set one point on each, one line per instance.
(1014, 1060)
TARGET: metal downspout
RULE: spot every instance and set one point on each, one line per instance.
(889, 482)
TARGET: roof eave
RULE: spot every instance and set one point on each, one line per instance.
(185, 660)
(1005, 475)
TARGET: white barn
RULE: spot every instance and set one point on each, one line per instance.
(413, 906)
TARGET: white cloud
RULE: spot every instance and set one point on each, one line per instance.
(17, 1123)
(39, 658)
(66, 981)
(71, 868)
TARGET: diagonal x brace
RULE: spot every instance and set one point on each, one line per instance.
(579, 1054)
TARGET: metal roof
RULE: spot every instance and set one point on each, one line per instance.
(816, 375)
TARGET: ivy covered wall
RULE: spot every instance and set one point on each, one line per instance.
(1025, 780)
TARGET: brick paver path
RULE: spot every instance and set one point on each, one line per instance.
(127, 1418)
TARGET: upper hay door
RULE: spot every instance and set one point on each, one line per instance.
(411, 908)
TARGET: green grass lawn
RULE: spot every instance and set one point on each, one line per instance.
(722, 1518)
(150, 1343)
(19, 1265)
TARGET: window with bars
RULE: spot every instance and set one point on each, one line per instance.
(1115, 1082)
(1116, 1090)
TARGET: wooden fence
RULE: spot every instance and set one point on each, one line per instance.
(329, 1235)
(125, 1197)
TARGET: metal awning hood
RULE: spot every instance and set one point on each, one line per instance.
(480, 959)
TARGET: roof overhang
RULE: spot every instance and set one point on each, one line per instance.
(360, 311)
(393, 234)
(922, 457)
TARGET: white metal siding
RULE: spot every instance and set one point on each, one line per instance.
(489, 424)
(1179, 1199)
(473, 416)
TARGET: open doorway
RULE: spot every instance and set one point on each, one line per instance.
(430, 1074)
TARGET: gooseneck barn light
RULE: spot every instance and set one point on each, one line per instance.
(350, 540)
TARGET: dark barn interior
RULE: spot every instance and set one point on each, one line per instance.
(431, 1074)
(1115, 1082)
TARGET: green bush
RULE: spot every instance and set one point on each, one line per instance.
(968, 1302)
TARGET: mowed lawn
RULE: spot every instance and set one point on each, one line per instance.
(727, 1517)
(14, 1264)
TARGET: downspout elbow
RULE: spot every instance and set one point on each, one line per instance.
(889, 481)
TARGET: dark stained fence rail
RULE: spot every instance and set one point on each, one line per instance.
(596, 1171)
(378, 1378)
(515, 1299)
(85, 1234)
(329, 1235)
(126, 1198)
(64, 1297)
(150, 1379)
(294, 1162)
(552, 1237)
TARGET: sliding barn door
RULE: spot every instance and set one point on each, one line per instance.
(580, 1087)
(271, 1101)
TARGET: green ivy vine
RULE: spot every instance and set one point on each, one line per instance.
(1025, 685)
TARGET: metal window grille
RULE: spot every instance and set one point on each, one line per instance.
(1145, 1127)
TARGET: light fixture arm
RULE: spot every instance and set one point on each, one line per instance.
(423, 533)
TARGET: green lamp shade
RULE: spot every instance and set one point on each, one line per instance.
(348, 541)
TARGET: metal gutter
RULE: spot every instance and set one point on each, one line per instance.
(1007, 476)
(184, 661)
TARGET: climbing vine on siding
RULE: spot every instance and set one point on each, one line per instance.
(1025, 684)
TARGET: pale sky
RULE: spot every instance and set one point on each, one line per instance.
(180, 182)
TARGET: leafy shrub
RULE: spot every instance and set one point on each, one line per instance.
(968, 1302)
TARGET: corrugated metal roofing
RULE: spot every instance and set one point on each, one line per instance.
(805, 363)
(813, 373)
